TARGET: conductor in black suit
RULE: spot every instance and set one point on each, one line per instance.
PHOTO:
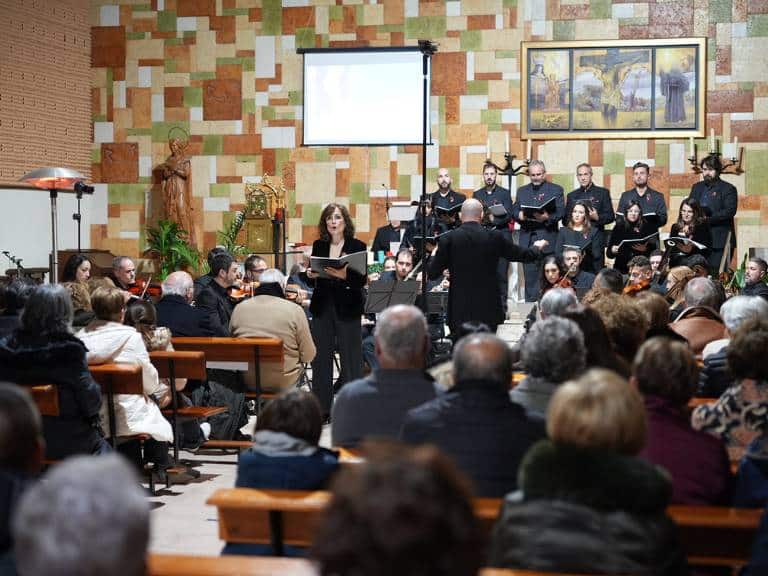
(471, 253)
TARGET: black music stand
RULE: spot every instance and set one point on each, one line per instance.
(383, 294)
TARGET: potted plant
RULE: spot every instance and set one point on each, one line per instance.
(168, 244)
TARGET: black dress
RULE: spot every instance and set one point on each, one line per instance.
(624, 231)
(589, 244)
(701, 234)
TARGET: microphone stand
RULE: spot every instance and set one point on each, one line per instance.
(77, 216)
(427, 50)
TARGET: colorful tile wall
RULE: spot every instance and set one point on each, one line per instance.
(226, 74)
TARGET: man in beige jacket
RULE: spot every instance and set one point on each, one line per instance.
(269, 314)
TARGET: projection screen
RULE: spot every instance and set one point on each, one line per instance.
(365, 97)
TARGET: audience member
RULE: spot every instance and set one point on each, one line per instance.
(109, 340)
(665, 372)
(607, 281)
(625, 322)
(556, 301)
(285, 454)
(700, 323)
(677, 279)
(175, 310)
(656, 311)
(739, 415)
(407, 513)
(90, 517)
(552, 352)
(15, 296)
(588, 504)
(43, 349)
(21, 457)
(269, 315)
(214, 300)
(376, 405)
(596, 341)
(715, 377)
(475, 422)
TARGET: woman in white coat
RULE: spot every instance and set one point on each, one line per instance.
(108, 340)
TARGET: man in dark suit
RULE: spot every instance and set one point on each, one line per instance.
(213, 300)
(651, 201)
(471, 254)
(175, 310)
(385, 235)
(540, 225)
(601, 208)
(719, 201)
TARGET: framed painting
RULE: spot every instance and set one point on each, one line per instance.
(613, 89)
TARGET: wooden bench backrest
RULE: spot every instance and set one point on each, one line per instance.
(711, 535)
(46, 396)
(125, 378)
(178, 565)
(218, 349)
(185, 364)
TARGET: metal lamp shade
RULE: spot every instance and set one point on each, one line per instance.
(51, 178)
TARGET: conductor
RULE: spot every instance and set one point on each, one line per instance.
(471, 253)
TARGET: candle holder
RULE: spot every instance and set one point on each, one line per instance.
(730, 165)
(509, 169)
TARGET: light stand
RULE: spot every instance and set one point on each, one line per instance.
(56, 180)
(427, 50)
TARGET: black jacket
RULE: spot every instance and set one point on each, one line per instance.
(623, 231)
(384, 236)
(182, 319)
(719, 201)
(588, 512)
(715, 377)
(214, 302)
(484, 432)
(347, 295)
(471, 254)
(651, 201)
(60, 360)
(531, 230)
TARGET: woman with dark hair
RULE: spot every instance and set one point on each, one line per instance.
(406, 512)
(43, 350)
(337, 304)
(588, 504)
(691, 224)
(552, 271)
(665, 372)
(14, 298)
(77, 269)
(599, 349)
(632, 227)
(580, 234)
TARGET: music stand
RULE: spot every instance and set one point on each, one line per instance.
(437, 302)
(54, 180)
(383, 294)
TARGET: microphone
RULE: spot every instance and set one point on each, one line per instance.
(83, 188)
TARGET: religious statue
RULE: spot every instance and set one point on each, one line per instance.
(176, 195)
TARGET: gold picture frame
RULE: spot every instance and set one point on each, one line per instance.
(613, 89)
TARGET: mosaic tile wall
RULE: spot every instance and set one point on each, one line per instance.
(226, 72)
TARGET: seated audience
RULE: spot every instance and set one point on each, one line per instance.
(699, 322)
(607, 281)
(269, 315)
(214, 300)
(626, 325)
(665, 373)
(375, 406)
(556, 301)
(596, 341)
(715, 377)
(77, 269)
(21, 457)
(285, 455)
(656, 311)
(175, 310)
(551, 353)
(90, 517)
(15, 296)
(588, 504)
(407, 513)
(475, 422)
(739, 415)
(677, 279)
(109, 340)
(43, 350)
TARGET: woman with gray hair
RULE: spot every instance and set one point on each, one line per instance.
(43, 350)
(552, 352)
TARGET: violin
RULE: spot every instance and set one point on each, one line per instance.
(565, 281)
(246, 290)
(144, 289)
(631, 289)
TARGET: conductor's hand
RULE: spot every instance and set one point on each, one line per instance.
(338, 273)
(541, 244)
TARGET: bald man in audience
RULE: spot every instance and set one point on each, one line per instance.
(374, 406)
(471, 253)
(475, 422)
(175, 310)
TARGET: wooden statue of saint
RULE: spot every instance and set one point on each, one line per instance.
(177, 198)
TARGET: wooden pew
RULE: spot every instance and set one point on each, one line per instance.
(117, 379)
(46, 396)
(711, 536)
(178, 565)
(190, 365)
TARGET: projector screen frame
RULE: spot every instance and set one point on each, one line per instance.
(361, 49)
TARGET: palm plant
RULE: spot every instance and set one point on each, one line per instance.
(168, 242)
(228, 236)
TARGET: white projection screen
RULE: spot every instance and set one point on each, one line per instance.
(365, 97)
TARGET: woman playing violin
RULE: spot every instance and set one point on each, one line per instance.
(552, 274)
(632, 226)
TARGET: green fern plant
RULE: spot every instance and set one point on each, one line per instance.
(228, 236)
(168, 242)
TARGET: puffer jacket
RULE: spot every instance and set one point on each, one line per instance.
(587, 512)
(135, 414)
